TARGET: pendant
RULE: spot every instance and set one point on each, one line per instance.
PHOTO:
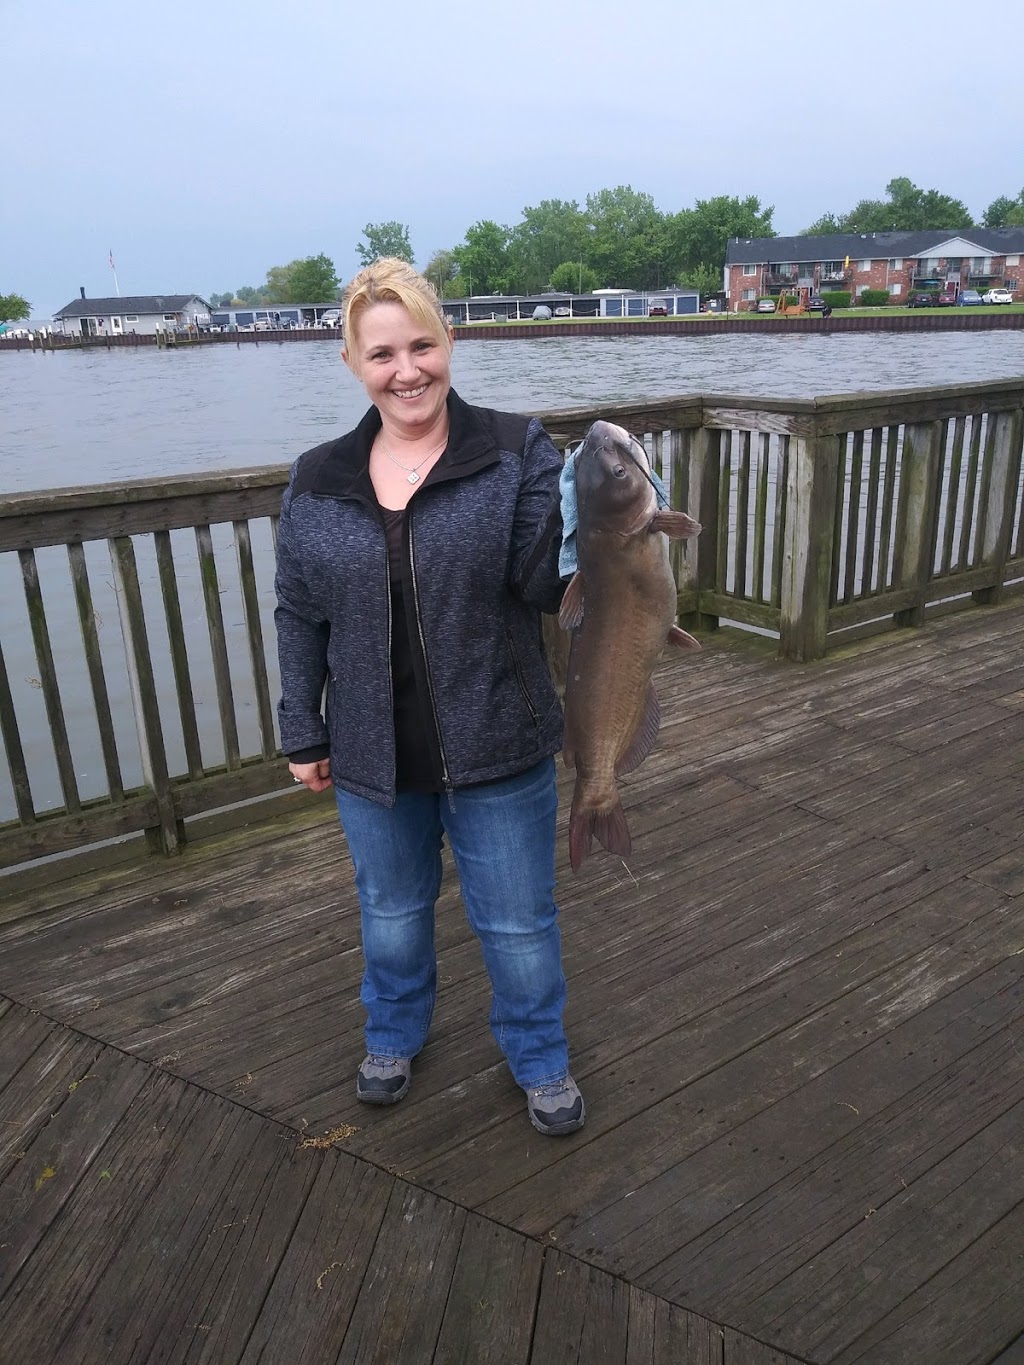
(414, 478)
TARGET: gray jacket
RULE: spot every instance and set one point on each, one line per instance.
(481, 546)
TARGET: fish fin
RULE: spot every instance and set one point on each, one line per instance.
(676, 525)
(571, 613)
(681, 639)
(609, 827)
(643, 740)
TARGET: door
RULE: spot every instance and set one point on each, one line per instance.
(115, 325)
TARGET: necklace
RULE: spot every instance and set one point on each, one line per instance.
(410, 470)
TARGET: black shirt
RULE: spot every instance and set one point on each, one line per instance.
(417, 763)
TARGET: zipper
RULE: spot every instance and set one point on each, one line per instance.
(445, 777)
(520, 677)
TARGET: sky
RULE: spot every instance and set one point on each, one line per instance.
(203, 141)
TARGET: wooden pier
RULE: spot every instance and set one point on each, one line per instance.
(797, 1014)
(797, 1017)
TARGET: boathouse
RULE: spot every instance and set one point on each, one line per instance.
(144, 314)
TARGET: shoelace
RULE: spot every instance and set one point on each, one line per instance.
(553, 1088)
(374, 1060)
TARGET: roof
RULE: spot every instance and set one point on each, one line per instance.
(129, 303)
(838, 245)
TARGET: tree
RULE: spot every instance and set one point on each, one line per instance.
(250, 295)
(13, 308)
(1004, 212)
(706, 279)
(550, 234)
(483, 259)
(572, 277)
(697, 238)
(313, 279)
(384, 239)
(907, 209)
(441, 270)
(825, 226)
(627, 246)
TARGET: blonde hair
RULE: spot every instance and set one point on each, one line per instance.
(390, 280)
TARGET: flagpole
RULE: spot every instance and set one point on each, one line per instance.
(110, 257)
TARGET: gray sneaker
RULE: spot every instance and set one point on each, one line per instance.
(556, 1108)
(383, 1080)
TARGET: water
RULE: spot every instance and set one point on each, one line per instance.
(99, 416)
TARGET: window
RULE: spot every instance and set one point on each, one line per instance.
(1013, 260)
(1012, 285)
(895, 289)
(864, 267)
(750, 270)
(861, 288)
(895, 262)
(131, 317)
(749, 294)
(169, 317)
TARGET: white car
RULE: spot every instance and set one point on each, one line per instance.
(997, 296)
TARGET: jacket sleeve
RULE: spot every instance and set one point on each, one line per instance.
(302, 635)
(537, 529)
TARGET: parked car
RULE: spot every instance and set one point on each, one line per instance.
(766, 305)
(997, 296)
(542, 313)
(563, 312)
(946, 299)
(330, 317)
(922, 299)
(657, 310)
(969, 298)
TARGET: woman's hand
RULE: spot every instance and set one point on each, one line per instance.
(315, 776)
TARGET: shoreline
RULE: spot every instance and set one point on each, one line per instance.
(705, 325)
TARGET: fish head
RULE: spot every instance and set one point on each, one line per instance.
(614, 490)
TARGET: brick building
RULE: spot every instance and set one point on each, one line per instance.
(898, 262)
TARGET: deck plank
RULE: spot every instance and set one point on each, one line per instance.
(794, 1015)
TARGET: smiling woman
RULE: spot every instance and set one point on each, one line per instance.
(415, 555)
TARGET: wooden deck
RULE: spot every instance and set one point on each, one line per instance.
(797, 1017)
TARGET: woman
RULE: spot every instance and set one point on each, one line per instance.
(415, 555)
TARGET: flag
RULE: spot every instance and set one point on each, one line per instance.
(110, 257)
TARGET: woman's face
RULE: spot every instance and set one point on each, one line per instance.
(404, 367)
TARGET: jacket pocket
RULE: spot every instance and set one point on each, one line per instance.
(517, 667)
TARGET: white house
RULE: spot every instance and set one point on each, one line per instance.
(145, 314)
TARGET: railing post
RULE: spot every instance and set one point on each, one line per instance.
(920, 477)
(1003, 452)
(169, 834)
(698, 568)
(811, 490)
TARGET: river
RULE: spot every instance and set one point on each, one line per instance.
(70, 418)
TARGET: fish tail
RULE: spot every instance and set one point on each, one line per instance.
(607, 826)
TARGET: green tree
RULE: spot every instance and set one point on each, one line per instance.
(627, 246)
(441, 270)
(483, 259)
(825, 226)
(13, 308)
(313, 279)
(707, 279)
(907, 209)
(698, 238)
(250, 295)
(384, 239)
(550, 234)
(572, 277)
(1004, 212)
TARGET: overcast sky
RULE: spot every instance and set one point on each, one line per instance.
(203, 141)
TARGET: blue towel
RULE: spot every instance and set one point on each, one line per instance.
(570, 517)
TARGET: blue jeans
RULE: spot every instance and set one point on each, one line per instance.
(502, 836)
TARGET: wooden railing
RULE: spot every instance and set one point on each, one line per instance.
(137, 668)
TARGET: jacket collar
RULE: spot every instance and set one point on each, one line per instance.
(345, 473)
